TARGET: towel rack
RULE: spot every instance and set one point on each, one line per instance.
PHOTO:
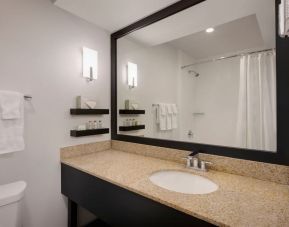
(198, 113)
(27, 97)
(154, 105)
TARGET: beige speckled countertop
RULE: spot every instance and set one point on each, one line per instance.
(240, 201)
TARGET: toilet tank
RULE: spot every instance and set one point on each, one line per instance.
(10, 204)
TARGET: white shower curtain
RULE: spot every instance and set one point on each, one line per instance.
(256, 123)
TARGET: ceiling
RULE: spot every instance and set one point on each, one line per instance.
(239, 24)
(226, 39)
(210, 13)
(113, 15)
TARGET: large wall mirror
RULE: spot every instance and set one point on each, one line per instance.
(205, 78)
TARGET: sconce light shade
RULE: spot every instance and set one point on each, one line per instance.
(132, 74)
(284, 18)
(90, 63)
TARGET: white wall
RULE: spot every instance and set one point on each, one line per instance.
(157, 82)
(41, 55)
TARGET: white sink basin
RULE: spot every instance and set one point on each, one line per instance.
(183, 182)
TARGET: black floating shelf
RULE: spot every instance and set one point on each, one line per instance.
(90, 132)
(131, 128)
(131, 111)
(88, 111)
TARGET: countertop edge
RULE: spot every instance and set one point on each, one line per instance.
(158, 200)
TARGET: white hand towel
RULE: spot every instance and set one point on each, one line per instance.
(11, 124)
(170, 109)
(174, 116)
(169, 117)
(163, 109)
(10, 103)
(175, 109)
(161, 116)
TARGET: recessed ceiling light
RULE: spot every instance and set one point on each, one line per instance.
(210, 30)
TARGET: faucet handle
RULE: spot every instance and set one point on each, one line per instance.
(196, 163)
(204, 165)
(189, 160)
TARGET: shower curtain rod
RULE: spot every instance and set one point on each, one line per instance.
(222, 58)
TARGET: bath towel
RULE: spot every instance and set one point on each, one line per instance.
(11, 122)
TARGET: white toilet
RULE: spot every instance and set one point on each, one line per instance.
(10, 204)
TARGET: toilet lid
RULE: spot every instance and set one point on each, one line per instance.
(11, 193)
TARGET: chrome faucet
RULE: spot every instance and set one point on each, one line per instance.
(194, 162)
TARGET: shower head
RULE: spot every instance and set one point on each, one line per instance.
(193, 73)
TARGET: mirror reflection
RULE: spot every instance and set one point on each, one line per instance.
(205, 75)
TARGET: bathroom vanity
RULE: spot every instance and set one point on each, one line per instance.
(209, 80)
(115, 186)
(118, 206)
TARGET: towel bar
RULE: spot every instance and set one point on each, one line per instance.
(27, 97)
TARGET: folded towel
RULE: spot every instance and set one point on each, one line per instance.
(174, 116)
(161, 116)
(10, 104)
(11, 123)
(163, 109)
(158, 114)
(169, 108)
(175, 109)
(169, 117)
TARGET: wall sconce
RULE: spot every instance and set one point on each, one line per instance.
(132, 75)
(90, 64)
(284, 18)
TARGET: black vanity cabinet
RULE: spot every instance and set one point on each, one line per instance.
(117, 206)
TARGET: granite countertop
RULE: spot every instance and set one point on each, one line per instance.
(239, 201)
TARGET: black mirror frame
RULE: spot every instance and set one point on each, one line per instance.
(282, 65)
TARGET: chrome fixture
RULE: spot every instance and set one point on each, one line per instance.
(27, 97)
(194, 162)
(198, 113)
(190, 133)
(194, 73)
(243, 53)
